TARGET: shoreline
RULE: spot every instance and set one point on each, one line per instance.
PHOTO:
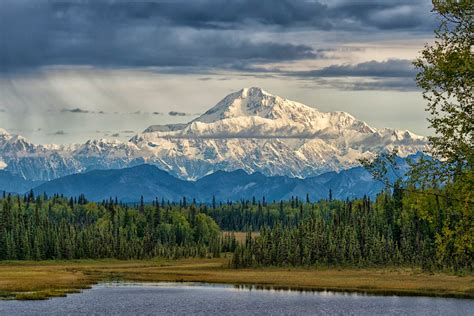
(28, 280)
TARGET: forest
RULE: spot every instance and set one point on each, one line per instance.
(397, 229)
(38, 228)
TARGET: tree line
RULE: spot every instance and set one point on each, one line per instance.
(397, 229)
(38, 228)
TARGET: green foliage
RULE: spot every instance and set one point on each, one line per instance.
(253, 215)
(41, 228)
(438, 194)
(447, 79)
(399, 229)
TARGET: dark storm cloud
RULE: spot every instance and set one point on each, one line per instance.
(124, 34)
(231, 14)
(214, 14)
(180, 33)
(392, 68)
(385, 15)
(393, 74)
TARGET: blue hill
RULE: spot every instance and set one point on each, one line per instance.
(150, 182)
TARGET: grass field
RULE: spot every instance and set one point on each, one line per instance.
(240, 236)
(40, 280)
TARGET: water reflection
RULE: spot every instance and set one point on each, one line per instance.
(289, 290)
(216, 299)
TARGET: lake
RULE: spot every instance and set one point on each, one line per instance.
(207, 299)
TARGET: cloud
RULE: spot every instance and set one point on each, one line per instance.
(101, 112)
(362, 84)
(392, 68)
(397, 84)
(175, 113)
(203, 34)
(399, 17)
(76, 110)
(386, 84)
(121, 34)
(392, 74)
(237, 14)
(382, 15)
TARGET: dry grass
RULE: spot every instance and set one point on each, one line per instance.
(241, 236)
(40, 280)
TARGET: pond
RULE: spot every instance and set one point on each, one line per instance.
(207, 299)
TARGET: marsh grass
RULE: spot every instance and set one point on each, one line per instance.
(27, 280)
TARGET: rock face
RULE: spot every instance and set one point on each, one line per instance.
(250, 130)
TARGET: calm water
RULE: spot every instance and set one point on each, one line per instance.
(205, 299)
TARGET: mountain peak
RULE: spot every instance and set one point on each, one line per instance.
(253, 91)
(249, 129)
(3, 132)
(254, 101)
(255, 113)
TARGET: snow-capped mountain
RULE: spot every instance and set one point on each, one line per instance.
(249, 129)
(256, 131)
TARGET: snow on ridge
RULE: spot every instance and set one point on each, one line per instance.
(253, 112)
(250, 129)
(4, 132)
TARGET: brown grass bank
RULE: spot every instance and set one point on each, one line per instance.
(41, 280)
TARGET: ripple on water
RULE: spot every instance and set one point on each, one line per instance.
(207, 299)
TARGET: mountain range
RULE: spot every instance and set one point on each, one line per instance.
(129, 184)
(248, 130)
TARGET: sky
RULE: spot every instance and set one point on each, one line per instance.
(76, 70)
